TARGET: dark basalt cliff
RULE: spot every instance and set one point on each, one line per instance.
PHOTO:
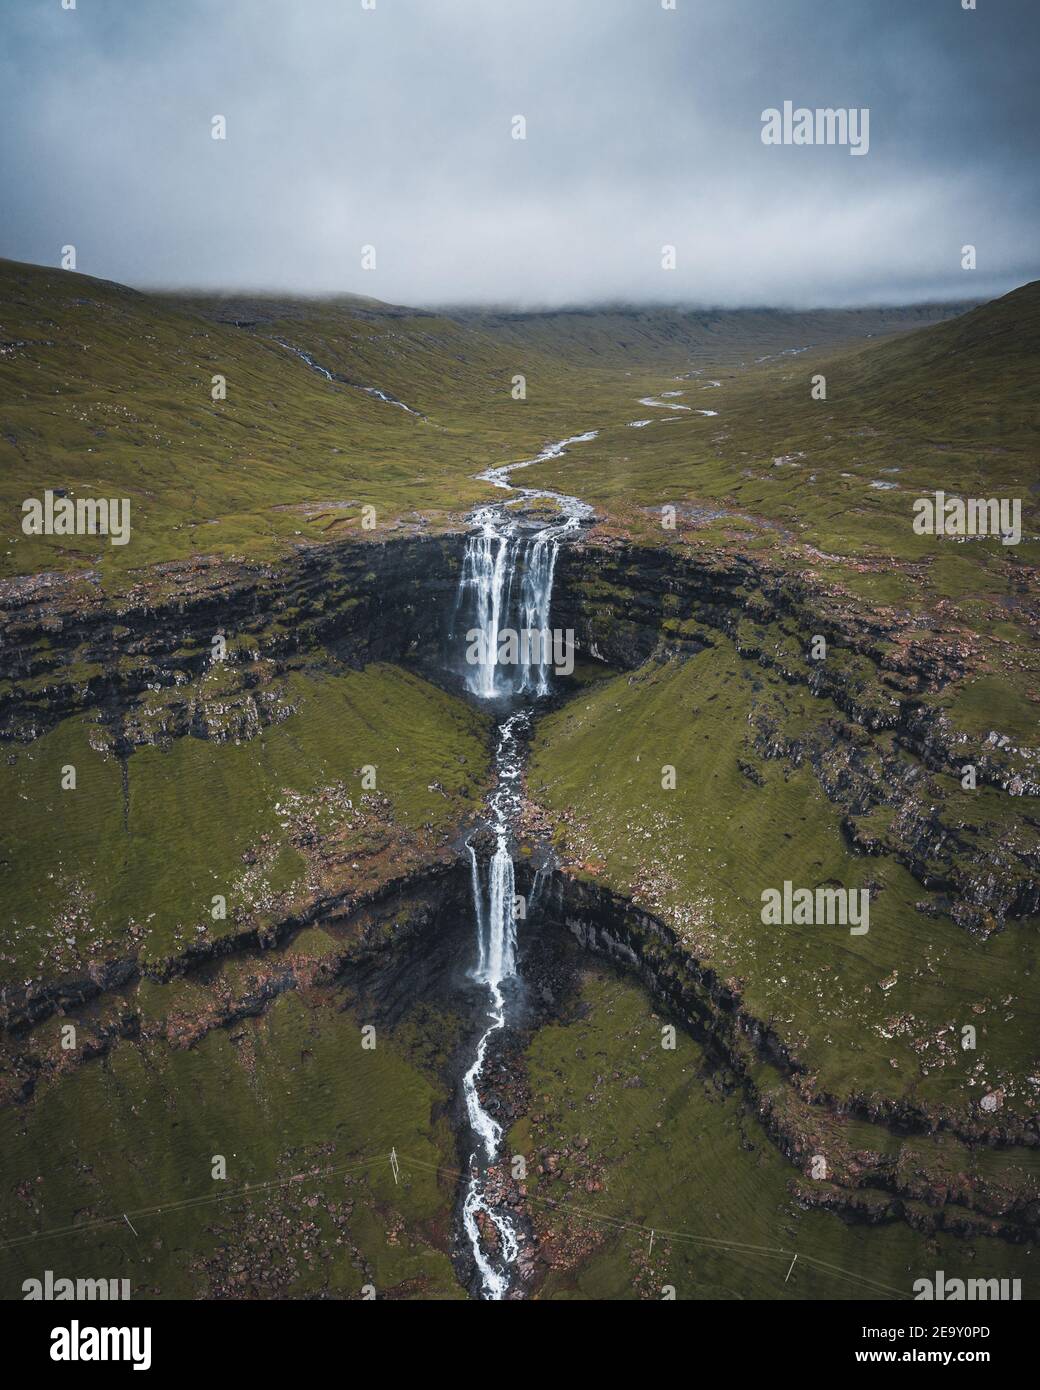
(65, 646)
(798, 1116)
(392, 945)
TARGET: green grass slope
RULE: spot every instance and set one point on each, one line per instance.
(128, 862)
(831, 483)
(304, 1118)
(106, 392)
(672, 339)
(876, 1016)
(647, 1140)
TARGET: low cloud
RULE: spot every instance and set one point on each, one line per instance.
(392, 128)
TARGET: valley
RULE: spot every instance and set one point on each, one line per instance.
(278, 905)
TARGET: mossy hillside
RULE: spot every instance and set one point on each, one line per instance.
(953, 720)
(279, 1097)
(987, 702)
(462, 377)
(648, 1139)
(107, 392)
(673, 339)
(821, 514)
(876, 1015)
(129, 861)
(831, 484)
(959, 692)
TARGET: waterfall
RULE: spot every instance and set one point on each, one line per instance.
(539, 567)
(505, 583)
(500, 958)
(481, 597)
(491, 601)
(506, 586)
(478, 912)
(493, 911)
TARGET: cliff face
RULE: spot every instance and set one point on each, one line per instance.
(221, 800)
(868, 1182)
(66, 647)
(890, 758)
(378, 942)
(878, 759)
(883, 751)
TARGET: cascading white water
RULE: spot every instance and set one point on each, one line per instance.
(536, 598)
(356, 386)
(490, 599)
(485, 567)
(496, 963)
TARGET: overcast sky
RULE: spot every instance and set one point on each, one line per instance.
(392, 127)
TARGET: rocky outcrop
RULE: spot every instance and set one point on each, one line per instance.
(389, 945)
(893, 750)
(66, 646)
(801, 1120)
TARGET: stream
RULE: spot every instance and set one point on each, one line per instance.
(505, 585)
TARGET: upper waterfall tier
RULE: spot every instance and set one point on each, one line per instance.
(504, 600)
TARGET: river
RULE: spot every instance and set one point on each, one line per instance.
(505, 584)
